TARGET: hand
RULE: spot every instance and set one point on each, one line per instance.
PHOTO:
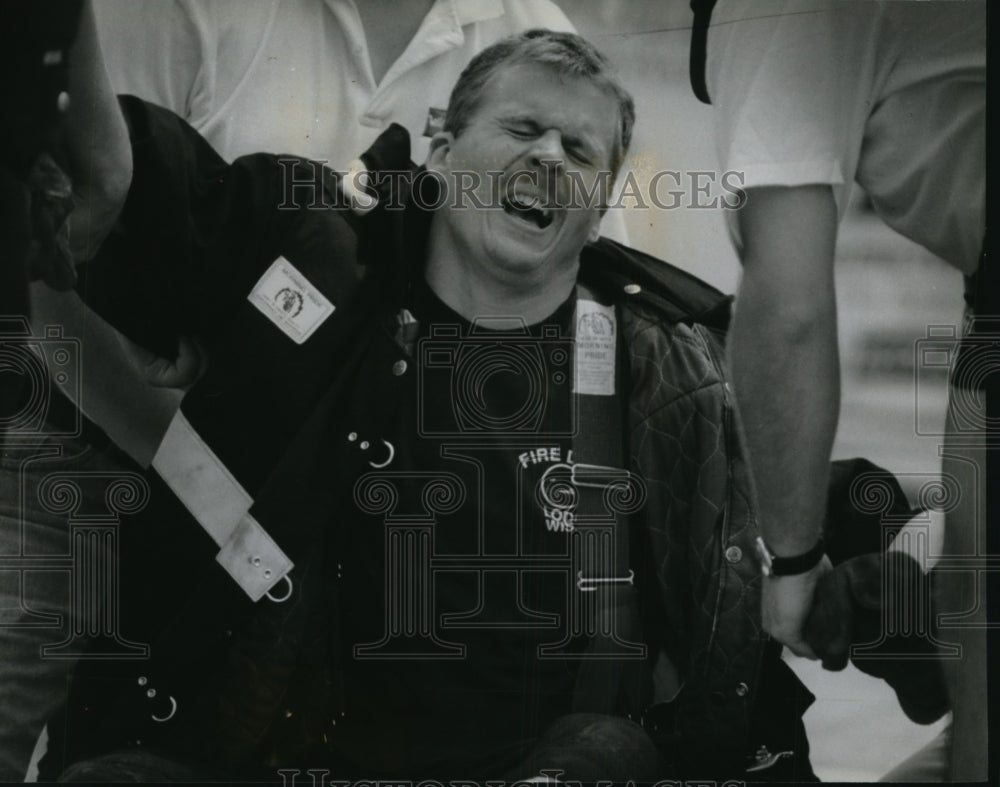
(785, 604)
(182, 372)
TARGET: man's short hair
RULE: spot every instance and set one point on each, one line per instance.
(567, 53)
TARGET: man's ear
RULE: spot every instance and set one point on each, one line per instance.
(440, 147)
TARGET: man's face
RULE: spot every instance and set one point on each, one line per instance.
(533, 151)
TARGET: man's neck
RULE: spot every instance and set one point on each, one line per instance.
(477, 299)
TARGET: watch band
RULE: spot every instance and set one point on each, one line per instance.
(772, 565)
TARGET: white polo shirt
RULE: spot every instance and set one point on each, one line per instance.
(891, 95)
(295, 76)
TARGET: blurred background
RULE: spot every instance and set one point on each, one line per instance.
(891, 293)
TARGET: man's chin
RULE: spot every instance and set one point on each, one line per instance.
(524, 255)
(524, 265)
(522, 244)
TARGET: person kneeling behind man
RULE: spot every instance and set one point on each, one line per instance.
(436, 536)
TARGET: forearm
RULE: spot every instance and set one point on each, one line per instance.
(784, 357)
(787, 378)
(97, 144)
(112, 392)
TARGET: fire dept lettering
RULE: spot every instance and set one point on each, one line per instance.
(554, 495)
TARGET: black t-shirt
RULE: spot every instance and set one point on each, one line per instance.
(450, 597)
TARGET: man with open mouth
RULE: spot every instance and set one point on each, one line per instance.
(474, 476)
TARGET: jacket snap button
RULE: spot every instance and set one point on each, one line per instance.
(352, 436)
(255, 561)
(633, 289)
(151, 693)
(142, 680)
(734, 554)
(399, 368)
(742, 689)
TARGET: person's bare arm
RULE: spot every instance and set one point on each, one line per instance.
(97, 143)
(786, 372)
(114, 393)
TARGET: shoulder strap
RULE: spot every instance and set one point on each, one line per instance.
(614, 677)
(699, 42)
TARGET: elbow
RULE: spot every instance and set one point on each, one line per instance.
(779, 320)
(785, 314)
(99, 205)
(114, 177)
(781, 347)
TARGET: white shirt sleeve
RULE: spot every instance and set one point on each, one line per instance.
(154, 50)
(791, 85)
(773, 79)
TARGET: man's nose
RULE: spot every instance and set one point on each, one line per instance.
(547, 151)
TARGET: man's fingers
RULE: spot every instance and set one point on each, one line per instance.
(794, 643)
(185, 369)
(785, 605)
(162, 372)
(788, 636)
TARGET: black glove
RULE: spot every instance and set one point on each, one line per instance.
(872, 602)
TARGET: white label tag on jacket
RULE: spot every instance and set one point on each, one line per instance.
(290, 301)
(596, 327)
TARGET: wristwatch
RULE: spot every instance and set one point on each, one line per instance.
(772, 565)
